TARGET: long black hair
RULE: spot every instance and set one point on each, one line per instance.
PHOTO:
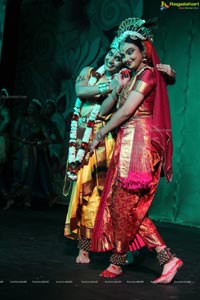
(136, 42)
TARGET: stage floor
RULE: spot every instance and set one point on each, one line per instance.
(38, 262)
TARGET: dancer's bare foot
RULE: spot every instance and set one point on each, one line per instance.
(169, 271)
(112, 271)
(83, 257)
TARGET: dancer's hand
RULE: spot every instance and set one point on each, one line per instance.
(93, 145)
(124, 77)
(167, 69)
(97, 139)
(120, 80)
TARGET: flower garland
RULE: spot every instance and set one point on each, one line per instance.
(76, 156)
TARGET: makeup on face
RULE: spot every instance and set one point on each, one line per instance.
(131, 56)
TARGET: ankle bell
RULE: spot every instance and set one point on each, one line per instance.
(118, 259)
(164, 256)
(84, 244)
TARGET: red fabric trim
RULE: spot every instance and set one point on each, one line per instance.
(137, 243)
(161, 134)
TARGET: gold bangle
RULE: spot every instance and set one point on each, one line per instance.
(99, 136)
(103, 88)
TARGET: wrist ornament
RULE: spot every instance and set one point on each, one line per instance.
(99, 136)
(103, 88)
(173, 73)
(114, 94)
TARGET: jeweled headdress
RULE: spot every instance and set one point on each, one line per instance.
(135, 28)
(115, 43)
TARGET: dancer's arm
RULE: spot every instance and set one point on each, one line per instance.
(119, 117)
(84, 90)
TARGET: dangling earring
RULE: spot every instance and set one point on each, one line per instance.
(144, 60)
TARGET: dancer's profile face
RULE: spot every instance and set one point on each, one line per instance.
(113, 61)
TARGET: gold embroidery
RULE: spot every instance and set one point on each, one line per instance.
(140, 86)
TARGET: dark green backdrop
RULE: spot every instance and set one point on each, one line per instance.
(57, 38)
(178, 43)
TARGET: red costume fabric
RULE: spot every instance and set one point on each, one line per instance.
(143, 146)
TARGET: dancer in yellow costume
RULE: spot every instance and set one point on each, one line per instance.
(88, 172)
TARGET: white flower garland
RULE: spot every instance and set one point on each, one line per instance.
(76, 156)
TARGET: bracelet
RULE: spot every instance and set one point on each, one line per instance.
(99, 136)
(115, 94)
(173, 71)
(103, 88)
